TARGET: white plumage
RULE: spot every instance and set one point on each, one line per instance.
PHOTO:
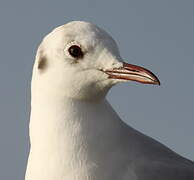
(74, 132)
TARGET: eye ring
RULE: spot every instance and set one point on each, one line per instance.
(75, 51)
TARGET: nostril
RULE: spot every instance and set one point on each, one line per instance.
(130, 69)
(133, 70)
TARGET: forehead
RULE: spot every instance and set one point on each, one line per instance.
(82, 32)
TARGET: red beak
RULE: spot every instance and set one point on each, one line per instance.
(133, 73)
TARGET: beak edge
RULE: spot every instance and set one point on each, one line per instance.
(133, 73)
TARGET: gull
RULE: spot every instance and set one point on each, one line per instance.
(74, 132)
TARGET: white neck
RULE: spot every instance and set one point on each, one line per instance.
(70, 135)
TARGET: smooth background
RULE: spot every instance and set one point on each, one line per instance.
(157, 34)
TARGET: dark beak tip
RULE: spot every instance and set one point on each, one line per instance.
(158, 83)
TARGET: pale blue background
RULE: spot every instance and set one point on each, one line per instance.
(157, 34)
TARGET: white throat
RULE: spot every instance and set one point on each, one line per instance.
(71, 136)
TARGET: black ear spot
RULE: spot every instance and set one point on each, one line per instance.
(42, 63)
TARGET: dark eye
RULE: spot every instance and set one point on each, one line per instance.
(75, 51)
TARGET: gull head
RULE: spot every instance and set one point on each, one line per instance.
(80, 60)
